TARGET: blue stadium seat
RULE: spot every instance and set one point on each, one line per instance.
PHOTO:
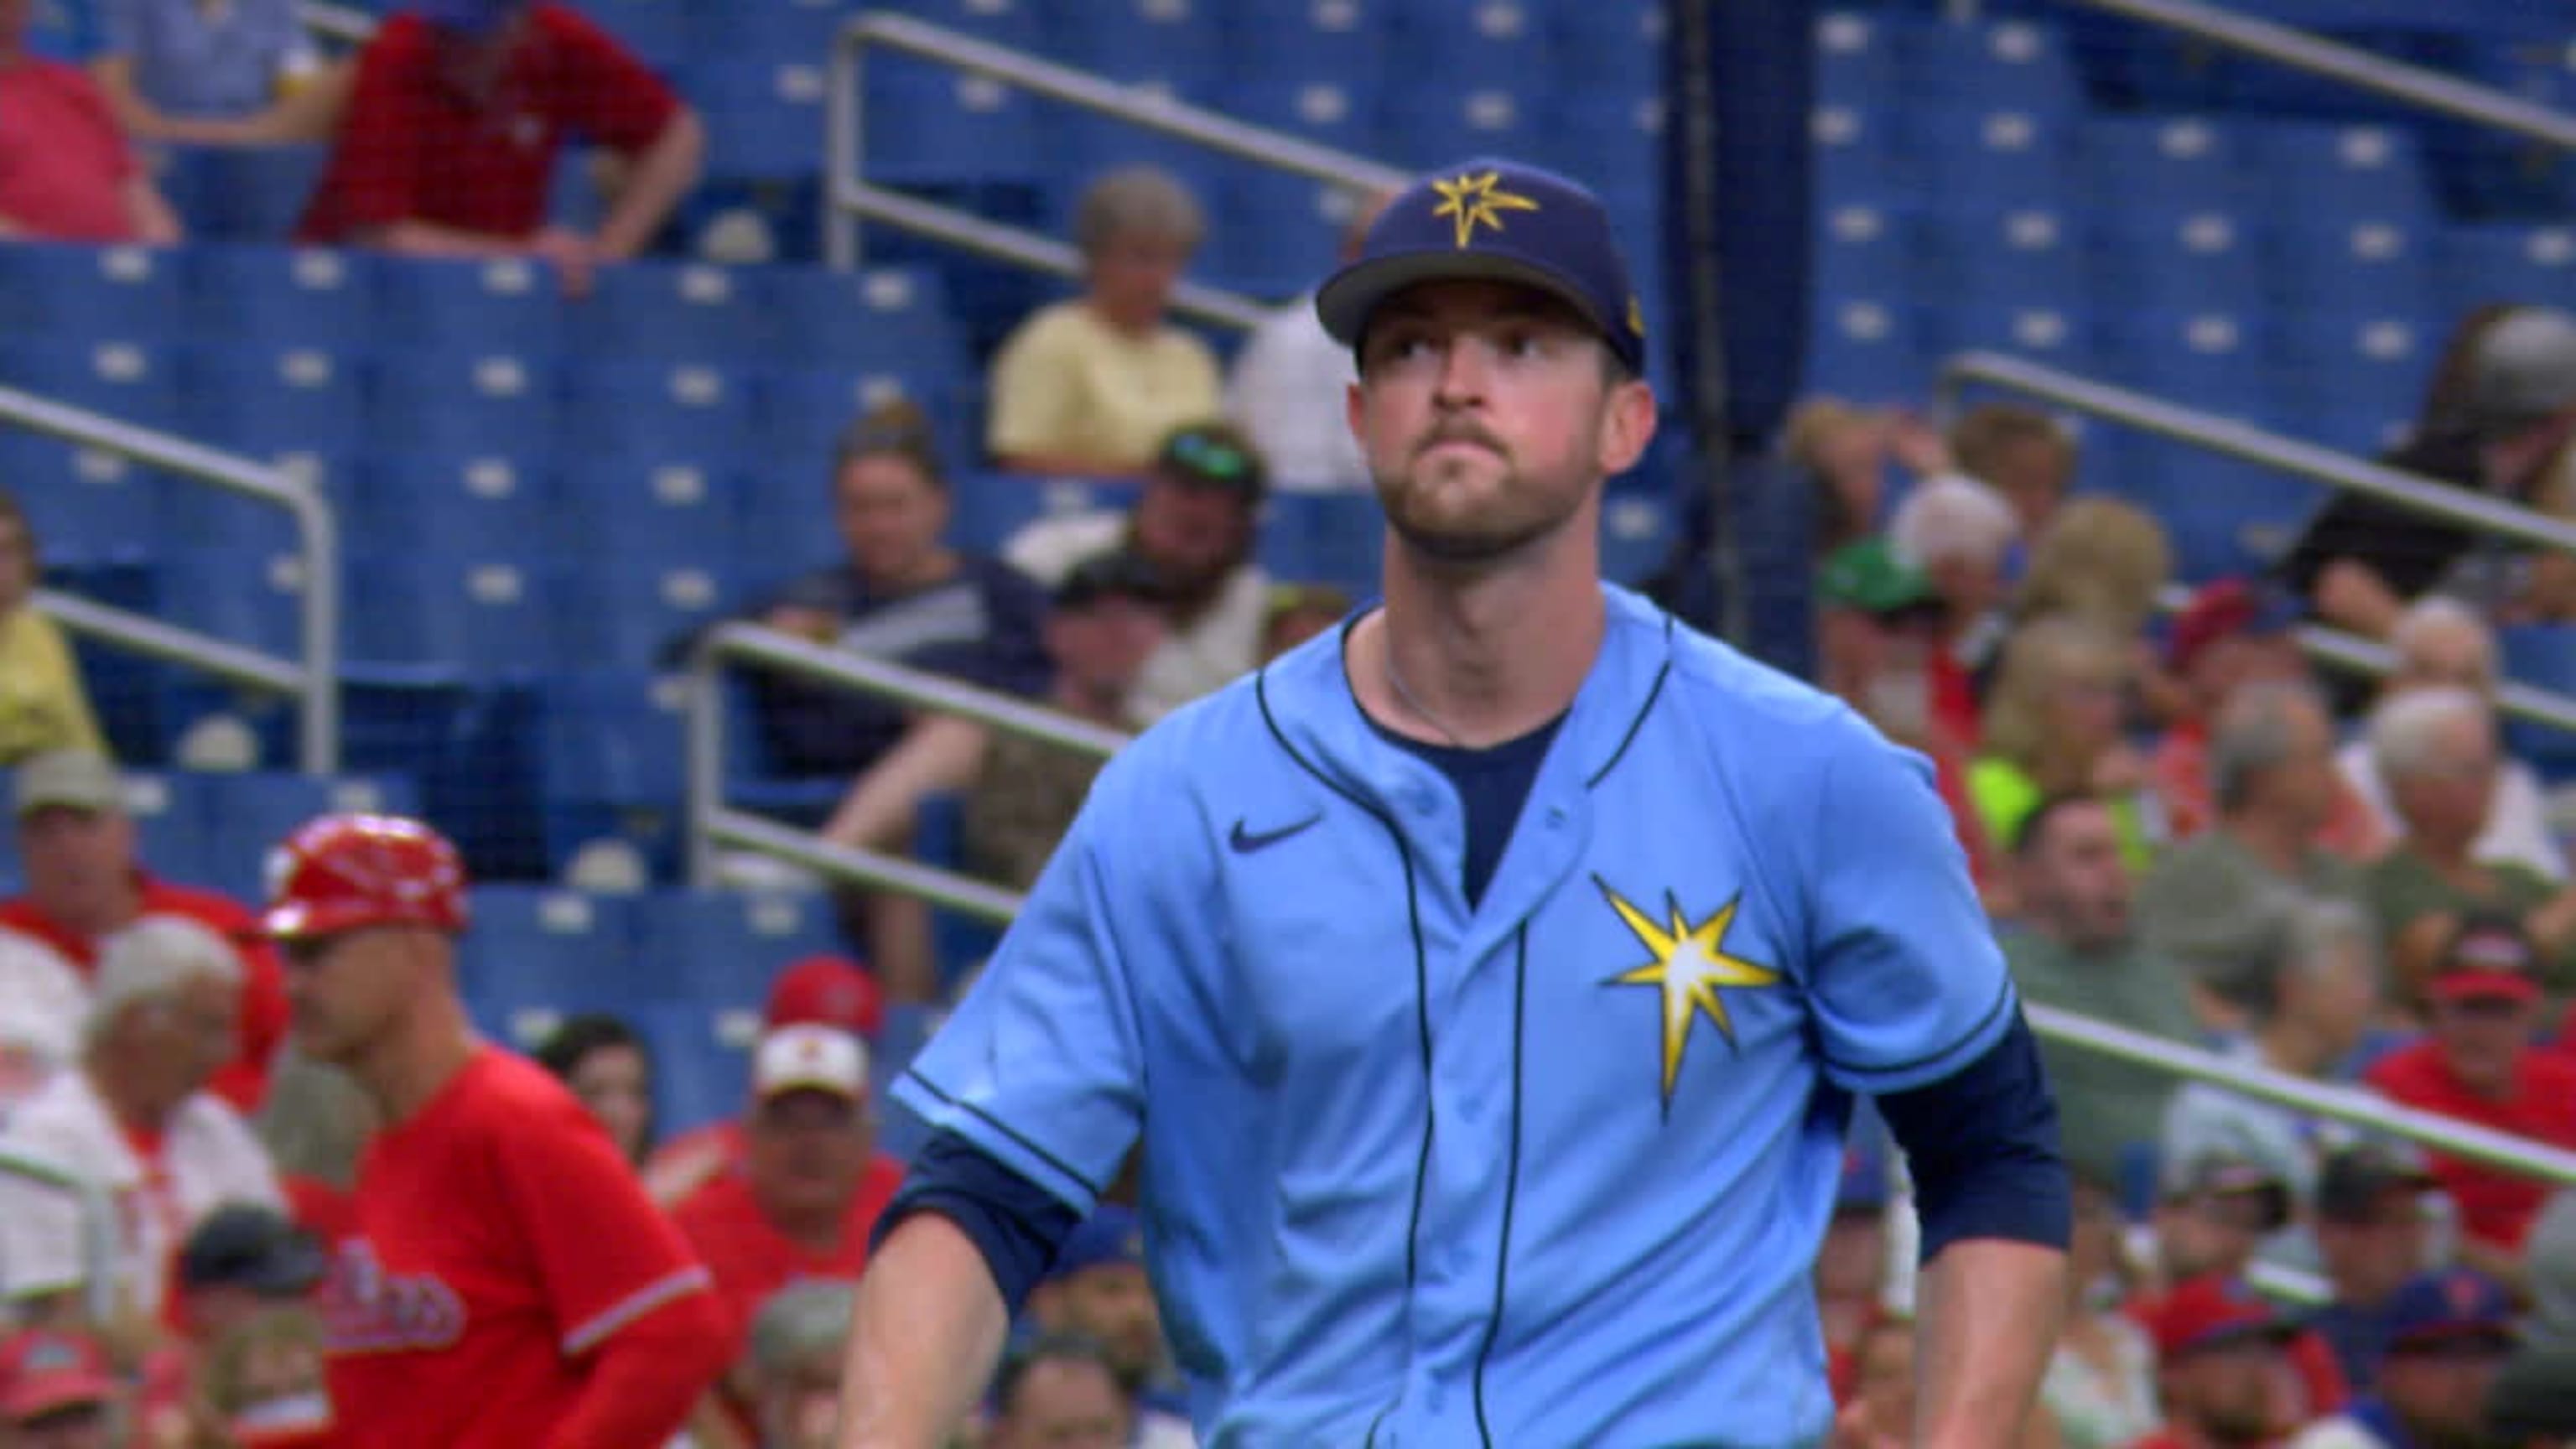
(886, 321)
(610, 764)
(494, 619)
(241, 817)
(2029, 256)
(2331, 361)
(271, 400)
(1613, 48)
(799, 418)
(2543, 655)
(65, 291)
(244, 597)
(1181, 45)
(1611, 143)
(674, 412)
(1989, 156)
(1869, 349)
(1281, 233)
(204, 517)
(1866, 250)
(304, 297)
(461, 404)
(2373, 268)
(242, 193)
(88, 507)
(1856, 59)
(925, 123)
(1476, 48)
(63, 30)
(656, 30)
(692, 312)
(2202, 261)
(540, 949)
(1858, 158)
(170, 837)
(722, 948)
(1441, 125)
(2002, 65)
(132, 382)
(2476, 265)
(625, 613)
(2057, 334)
(2335, 175)
(990, 507)
(631, 513)
(2162, 166)
(701, 1070)
(787, 32)
(508, 308)
(764, 113)
(485, 505)
(1324, 538)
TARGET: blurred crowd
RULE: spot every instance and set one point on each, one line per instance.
(2184, 829)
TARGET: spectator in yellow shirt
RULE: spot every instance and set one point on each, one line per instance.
(42, 704)
(1091, 386)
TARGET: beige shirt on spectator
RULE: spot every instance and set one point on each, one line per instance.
(1205, 655)
(208, 1158)
(1067, 385)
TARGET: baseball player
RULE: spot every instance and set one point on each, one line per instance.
(507, 1281)
(1489, 980)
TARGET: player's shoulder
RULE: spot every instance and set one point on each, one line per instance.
(1756, 710)
(503, 1093)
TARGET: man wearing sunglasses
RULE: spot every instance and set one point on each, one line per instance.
(1193, 525)
(1488, 980)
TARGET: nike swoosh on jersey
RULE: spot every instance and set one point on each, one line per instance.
(1245, 843)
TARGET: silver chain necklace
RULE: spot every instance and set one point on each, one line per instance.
(1426, 716)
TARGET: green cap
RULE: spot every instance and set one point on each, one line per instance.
(1868, 577)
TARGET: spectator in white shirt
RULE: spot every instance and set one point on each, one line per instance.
(1290, 390)
(1194, 525)
(2441, 642)
(42, 1005)
(136, 1121)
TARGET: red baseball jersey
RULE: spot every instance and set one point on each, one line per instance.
(413, 147)
(243, 1082)
(2496, 1208)
(499, 1240)
(751, 1260)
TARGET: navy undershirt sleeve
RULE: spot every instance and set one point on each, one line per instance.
(1982, 1146)
(1017, 1225)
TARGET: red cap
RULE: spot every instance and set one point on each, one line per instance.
(2209, 1310)
(2224, 609)
(342, 872)
(43, 1371)
(826, 991)
(2488, 958)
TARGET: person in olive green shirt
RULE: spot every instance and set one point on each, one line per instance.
(2219, 904)
(2075, 951)
(2437, 750)
(43, 705)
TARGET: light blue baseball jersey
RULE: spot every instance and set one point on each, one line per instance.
(1550, 1171)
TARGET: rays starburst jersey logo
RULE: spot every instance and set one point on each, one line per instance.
(1690, 969)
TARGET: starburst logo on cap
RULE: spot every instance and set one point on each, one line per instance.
(1476, 199)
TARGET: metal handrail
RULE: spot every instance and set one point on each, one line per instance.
(2255, 445)
(2352, 1106)
(852, 197)
(713, 823)
(316, 679)
(2299, 50)
(337, 22)
(2373, 660)
(98, 1225)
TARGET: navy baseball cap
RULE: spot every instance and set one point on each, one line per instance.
(1492, 220)
(2451, 1306)
(1110, 1238)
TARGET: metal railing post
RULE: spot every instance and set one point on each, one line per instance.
(843, 146)
(706, 756)
(319, 743)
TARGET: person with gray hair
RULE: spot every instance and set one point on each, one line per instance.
(2218, 904)
(2436, 749)
(1089, 387)
(794, 1363)
(2324, 992)
(2442, 642)
(136, 1122)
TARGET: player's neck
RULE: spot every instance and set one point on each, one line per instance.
(414, 1061)
(1490, 655)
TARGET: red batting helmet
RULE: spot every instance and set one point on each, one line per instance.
(341, 872)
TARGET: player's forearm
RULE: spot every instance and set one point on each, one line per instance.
(648, 1377)
(924, 1339)
(664, 174)
(1989, 1320)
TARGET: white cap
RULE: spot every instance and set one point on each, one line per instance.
(810, 1058)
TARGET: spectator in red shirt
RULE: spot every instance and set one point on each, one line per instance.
(816, 991)
(2478, 1064)
(453, 127)
(811, 1184)
(66, 172)
(2220, 1355)
(84, 884)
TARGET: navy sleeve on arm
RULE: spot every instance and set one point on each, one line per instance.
(1017, 1225)
(1982, 1146)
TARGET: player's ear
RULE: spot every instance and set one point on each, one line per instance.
(1627, 424)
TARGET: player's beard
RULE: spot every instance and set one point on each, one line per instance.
(1517, 512)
